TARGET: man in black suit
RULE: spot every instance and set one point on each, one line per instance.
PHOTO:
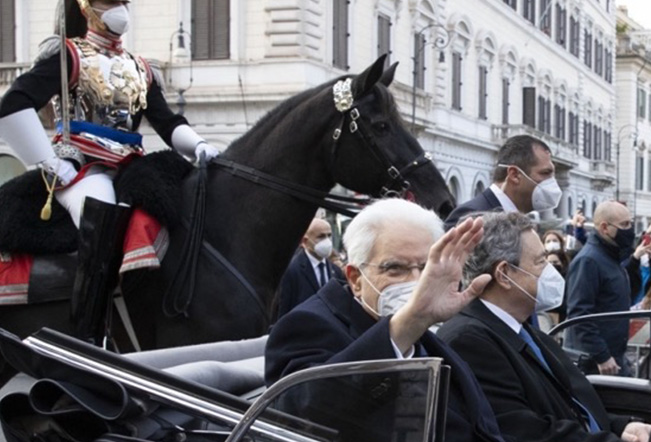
(533, 387)
(310, 269)
(400, 283)
(523, 180)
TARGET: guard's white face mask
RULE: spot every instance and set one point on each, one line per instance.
(116, 19)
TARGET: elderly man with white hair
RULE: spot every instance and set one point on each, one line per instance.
(402, 277)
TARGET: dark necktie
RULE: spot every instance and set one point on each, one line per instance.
(322, 277)
(587, 416)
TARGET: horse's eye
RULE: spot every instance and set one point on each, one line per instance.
(381, 128)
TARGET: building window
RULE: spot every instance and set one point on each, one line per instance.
(544, 114)
(7, 31)
(648, 167)
(587, 139)
(506, 84)
(384, 37)
(419, 60)
(483, 92)
(512, 3)
(456, 80)
(598, 57)
(575, 36)
(608, 147)
(641, 103)
(609, 66)
(574, 128)
(639, 173)
(529, 10)
(596, 131)
(340, 34)
(529, 106)
(561, 25)
(559, 121)
(546, 17)
(587, 56)
(210, 29)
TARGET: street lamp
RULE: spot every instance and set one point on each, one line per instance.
(180, 52)
(619, 140)
(440, 42)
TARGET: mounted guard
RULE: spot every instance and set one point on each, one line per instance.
(99, 92)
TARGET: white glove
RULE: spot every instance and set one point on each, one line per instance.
(210, 151)
(64, 169)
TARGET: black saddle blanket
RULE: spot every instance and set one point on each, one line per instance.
(151, 183)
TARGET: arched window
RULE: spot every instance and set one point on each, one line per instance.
(455, 188)
(479, 188)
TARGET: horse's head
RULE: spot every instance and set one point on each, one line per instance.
(374, 153)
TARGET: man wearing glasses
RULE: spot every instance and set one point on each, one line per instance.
(598, 283)
(402, 277)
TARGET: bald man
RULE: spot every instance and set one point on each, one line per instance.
(597, 283)
(310, 268)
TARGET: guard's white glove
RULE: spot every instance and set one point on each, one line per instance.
(64, 169)
(210, 151)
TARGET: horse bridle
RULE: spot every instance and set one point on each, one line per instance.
(397, 184)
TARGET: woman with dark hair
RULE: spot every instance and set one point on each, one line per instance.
(110, 91)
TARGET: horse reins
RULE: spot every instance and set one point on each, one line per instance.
(397, 184)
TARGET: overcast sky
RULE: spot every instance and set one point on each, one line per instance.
(638, 10)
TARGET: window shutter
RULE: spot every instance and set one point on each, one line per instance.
(220, 30)
(7, 32)
(340, 34)
(456, 81)
(483, 92)
(529, 106)
(200, 29)
(384, 38)
(419, 60)
(505, 100)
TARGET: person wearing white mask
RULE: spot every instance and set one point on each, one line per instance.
(310, 269)
(536, 391)
(402, 277)
(523, 181)
(110, 91)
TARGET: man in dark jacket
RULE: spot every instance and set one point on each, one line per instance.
(523, 180)
(597, 283)
(535, 390)
(387, 307)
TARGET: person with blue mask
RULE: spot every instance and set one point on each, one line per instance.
(535, 390)
(402, 277)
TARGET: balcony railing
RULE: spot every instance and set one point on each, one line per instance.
(562, 151)
(9, 72)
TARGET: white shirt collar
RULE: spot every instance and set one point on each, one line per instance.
(504, 200)
(505, 317)
(315, 262)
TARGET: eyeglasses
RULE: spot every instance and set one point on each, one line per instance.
(397, 270)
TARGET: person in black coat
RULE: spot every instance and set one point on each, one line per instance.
(535, 390)
(386, 308)
(597, 283)
(309, 269)
(523, 180)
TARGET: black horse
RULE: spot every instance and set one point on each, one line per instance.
(346, 132)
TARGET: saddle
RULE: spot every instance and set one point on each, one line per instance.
(43, 253)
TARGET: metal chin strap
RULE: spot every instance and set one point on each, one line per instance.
(396, 185)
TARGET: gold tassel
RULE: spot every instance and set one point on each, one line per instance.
(46, 211)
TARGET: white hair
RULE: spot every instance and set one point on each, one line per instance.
(362, 231)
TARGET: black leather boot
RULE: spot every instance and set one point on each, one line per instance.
(101, 238)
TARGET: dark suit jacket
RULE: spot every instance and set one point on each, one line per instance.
(530, 403)
(299, 281)
(332, 327)
(485, 202)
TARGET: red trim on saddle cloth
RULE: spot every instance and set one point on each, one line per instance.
(144, 247)
(14, 277)
(145, 244)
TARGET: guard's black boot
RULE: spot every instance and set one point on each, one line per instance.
(101, 238)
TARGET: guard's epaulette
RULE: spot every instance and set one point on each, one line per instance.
(155, 73)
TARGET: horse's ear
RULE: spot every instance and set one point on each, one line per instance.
(387, 76)
(365, 81)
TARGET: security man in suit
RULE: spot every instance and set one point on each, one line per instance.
(523, 180)
(535, 390)
(310, 269)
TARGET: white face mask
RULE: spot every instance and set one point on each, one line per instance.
(547, 193)
(392, 298)
(550, 289)
(116, 19)
(323, 248)
(552, 246)
(644, 260)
